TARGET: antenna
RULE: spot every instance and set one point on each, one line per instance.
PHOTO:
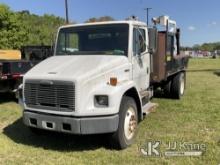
(67, 12)
(147, 10)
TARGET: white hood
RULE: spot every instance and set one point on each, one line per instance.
(75, 66)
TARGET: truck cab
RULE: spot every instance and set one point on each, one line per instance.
(98, 81)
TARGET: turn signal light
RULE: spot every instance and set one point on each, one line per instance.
(113, 81)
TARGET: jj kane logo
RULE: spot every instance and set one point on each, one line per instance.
(172, 149)
(151, 149)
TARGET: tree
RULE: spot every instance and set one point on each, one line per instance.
(91, 20)
(196, 47)
(12, 32)
(41, 29)
(22, 28)
(207, 47)
(100, 19)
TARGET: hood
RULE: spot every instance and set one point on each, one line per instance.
(75, 66)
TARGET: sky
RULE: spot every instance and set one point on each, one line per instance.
(199, 20)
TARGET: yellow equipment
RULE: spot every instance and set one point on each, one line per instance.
(10, 55)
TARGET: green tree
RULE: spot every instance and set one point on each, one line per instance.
(12, 32)
(22, 28)
(207, 46)
(100, 19)
(41, 29)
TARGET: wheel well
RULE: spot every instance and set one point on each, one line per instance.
(169, 79)
(134, 94)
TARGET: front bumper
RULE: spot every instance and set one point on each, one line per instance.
(73, 125)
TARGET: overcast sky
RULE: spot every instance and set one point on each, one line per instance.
(199, 20)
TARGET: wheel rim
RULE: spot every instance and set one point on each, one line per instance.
(182, 85)
(130, 123)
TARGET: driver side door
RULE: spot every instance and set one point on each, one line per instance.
(140, 59)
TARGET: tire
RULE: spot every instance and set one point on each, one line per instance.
(178, 85)
(167, 88)
(128, 120)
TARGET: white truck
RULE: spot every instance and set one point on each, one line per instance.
(101, 78)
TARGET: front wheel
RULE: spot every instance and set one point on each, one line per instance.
(128, 121)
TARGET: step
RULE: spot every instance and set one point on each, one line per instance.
(145, 93)
(149, 107)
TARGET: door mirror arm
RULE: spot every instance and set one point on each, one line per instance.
(151, 51)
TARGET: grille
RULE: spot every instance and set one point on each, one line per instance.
(50, 95)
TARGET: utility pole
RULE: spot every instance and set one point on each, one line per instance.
(147, 10)
(67, 12)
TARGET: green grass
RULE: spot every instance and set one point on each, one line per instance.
(194, 119)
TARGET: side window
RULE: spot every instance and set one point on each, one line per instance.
(139, 41)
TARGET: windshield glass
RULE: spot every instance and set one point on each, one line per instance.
(97, 39)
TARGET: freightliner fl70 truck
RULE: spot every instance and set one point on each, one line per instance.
(102, 77)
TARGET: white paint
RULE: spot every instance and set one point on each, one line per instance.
(91, 75)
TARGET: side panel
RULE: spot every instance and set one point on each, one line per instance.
(174, 62)
(159, 58)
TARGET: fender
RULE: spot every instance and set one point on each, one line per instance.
(121, 89)
(115, 94)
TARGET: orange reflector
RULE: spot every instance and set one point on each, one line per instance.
(113, 81)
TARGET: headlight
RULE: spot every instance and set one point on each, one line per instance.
(101, 101)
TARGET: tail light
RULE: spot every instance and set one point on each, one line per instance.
(17, 75)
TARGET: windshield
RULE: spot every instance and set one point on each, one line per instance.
(97, 39)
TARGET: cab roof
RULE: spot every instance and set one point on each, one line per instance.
(129, 22)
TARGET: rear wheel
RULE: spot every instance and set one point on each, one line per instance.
(167, 88)
(128, 121)
(178, 85)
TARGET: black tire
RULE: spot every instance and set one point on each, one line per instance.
(178, 85)
(167, 88)
(119, 137)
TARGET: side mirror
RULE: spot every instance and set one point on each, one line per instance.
(153, 33)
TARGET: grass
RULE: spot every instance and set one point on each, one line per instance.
(194, 119)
